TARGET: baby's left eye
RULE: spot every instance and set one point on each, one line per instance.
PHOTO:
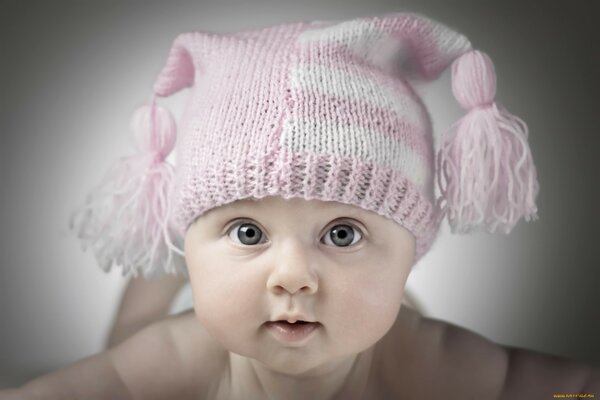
(343, 235)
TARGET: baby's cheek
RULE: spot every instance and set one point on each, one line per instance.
(223, 306)
(372, 310)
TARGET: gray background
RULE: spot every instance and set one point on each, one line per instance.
(74, 71)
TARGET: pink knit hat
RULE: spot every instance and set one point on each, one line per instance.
(317, 110)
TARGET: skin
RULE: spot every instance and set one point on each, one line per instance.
(354, 291)
(144, 301)
(368, 347)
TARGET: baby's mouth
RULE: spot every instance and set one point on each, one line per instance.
(294, 323)
(291, 332)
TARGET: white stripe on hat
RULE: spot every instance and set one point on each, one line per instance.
(332, 81)
(321, 136)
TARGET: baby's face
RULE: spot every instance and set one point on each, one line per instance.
(252, 262)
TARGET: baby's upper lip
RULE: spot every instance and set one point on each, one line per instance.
(293, 318)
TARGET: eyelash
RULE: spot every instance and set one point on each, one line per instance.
(343, 222)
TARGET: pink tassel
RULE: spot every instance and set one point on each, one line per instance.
(126, 218)
(485, 170)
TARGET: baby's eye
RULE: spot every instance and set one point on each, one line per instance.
(248, 234)
(343, 235)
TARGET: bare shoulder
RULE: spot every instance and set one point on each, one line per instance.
(428, 358)
(434, 358)
(172, 358)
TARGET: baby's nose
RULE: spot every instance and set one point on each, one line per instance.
(293, 272)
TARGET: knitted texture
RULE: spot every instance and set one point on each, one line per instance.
(318, 110)
(304, 110)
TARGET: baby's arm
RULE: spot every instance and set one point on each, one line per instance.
(149, 365)
(531, 375)
(94, 377)
(446, 358)
(144, 301)
(518, 373)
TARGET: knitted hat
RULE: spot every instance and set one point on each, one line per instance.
(316, 110)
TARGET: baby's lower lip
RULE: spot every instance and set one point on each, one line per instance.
(288, 332)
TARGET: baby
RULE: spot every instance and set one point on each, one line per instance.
(303, 197)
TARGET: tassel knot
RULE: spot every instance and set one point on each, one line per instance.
(474, 80)
(154, 130)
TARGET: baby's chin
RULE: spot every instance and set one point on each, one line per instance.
(298, 362)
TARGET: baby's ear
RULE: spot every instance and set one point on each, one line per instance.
(180, 69)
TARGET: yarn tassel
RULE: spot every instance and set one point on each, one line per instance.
(485, 170)
(126, 218)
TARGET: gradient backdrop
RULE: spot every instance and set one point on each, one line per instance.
(74, 71)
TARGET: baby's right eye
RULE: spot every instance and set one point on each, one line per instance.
(248, 234)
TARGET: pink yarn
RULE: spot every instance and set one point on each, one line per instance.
(317, 110)
(473, 79)
(126, 219)
(160, 123)
(485, 170)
